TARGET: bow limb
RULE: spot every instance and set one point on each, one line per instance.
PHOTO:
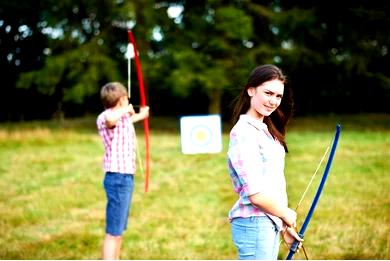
(143, 104)
(301, 233)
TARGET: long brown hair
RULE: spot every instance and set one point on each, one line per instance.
(278, 120)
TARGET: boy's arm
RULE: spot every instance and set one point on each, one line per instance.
(143, 114)
(114, 115)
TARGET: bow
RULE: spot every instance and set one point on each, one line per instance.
(143, 104)
(301, 233)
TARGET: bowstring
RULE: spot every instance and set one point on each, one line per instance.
(138, 154)
(312, 178)
(140, 163)
(306, 189)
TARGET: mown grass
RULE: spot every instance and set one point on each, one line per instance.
(52, 201)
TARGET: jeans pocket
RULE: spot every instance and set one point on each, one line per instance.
(255, 238)
(245, 235)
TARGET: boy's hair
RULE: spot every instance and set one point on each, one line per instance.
(111, 93)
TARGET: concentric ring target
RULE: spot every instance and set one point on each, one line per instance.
(201, 134)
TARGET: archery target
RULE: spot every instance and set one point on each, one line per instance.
(201, 134)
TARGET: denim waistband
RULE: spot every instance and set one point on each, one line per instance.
(117, 173)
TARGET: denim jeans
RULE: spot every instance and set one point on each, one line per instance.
(256, 238)
(119, 191)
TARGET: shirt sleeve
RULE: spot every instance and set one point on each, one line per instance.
(246, 159)
(101, 121)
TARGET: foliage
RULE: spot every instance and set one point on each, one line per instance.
(209, 54)
(347, 47)
(72, 75)
(55, 55)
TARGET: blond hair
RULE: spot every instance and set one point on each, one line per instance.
(111, 93)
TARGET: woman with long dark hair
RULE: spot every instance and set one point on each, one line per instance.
(256, 166)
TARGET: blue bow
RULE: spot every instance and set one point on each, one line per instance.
(301, 233)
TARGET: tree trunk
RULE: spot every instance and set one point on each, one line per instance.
(215, 98)
(59, 114)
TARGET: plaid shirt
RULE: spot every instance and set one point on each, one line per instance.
(256, 165)
(119, 144)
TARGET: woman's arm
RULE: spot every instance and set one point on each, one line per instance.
(288, 216)
(269, 205)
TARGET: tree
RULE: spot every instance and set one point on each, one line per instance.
(207, 49)
(335, 56)
(21, 50)
(78, 60)
(59, 53)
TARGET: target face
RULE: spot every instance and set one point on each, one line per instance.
(201, 134)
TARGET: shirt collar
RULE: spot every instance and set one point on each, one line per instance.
(258, 124)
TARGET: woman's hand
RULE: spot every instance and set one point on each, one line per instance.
(289, 217)
(290, 235)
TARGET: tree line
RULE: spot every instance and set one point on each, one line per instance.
(195, 55)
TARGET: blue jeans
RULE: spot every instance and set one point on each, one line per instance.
(119, 191)
(256, 238)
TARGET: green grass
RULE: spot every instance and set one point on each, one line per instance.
(52, 201)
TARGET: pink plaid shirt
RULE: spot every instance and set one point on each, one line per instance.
(256, 165)
(119, 144)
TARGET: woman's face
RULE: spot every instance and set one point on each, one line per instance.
(265, 98)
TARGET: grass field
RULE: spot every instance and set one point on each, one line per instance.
(52, 201)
